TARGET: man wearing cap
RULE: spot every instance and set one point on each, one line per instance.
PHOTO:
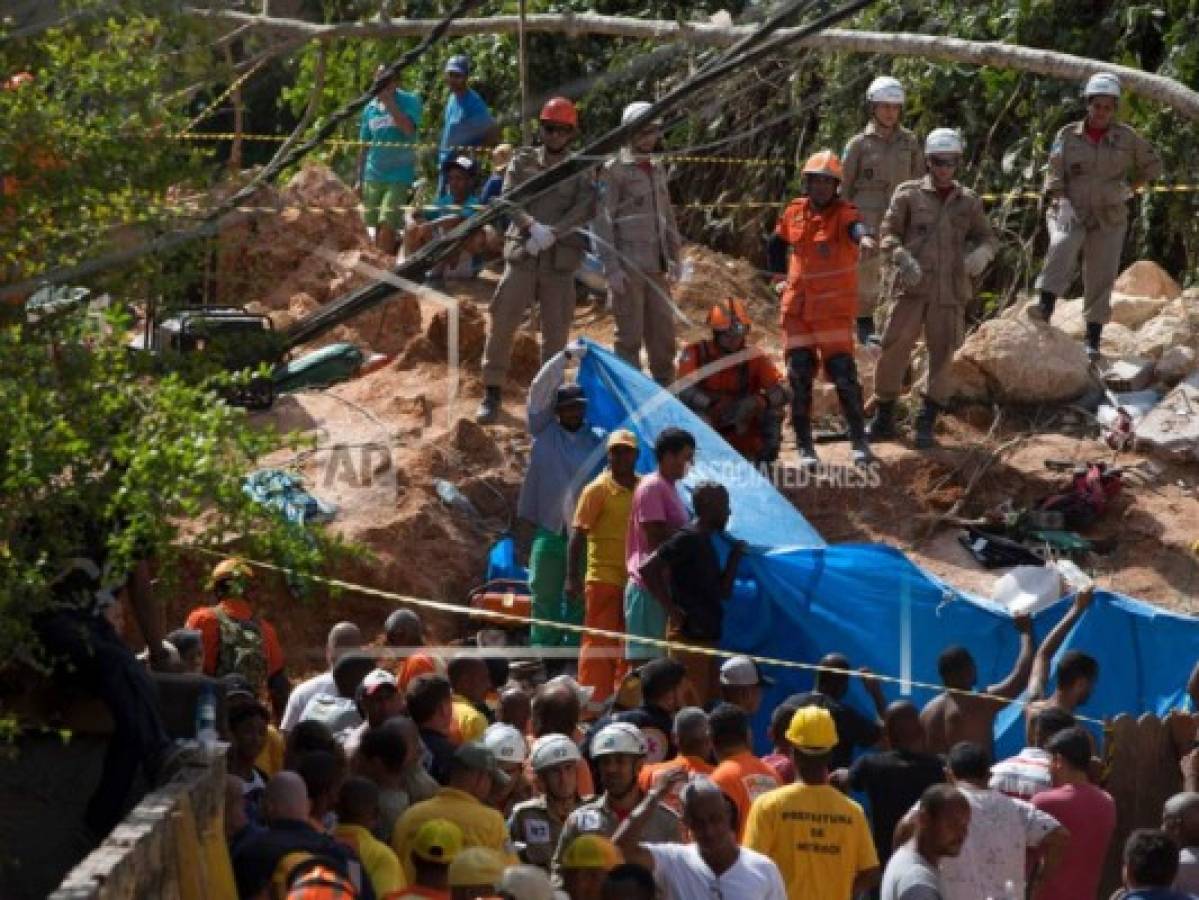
(566, 451)
(741, 683)
(453, 206)
(618, 752)
(386, 166)
(435, 845)
(473, 773)
(236, 641)
(637, 240)
(1095, 166)
(535, 826)
(692, 735)
(817, 836)
(601, 522)
(585, 865)
(543, 247)
(379, 699)
(510, 750)
(342, 638)
(467, 122)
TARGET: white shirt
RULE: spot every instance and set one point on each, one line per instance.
(1001, 831)
(1024, 775)
(683, 875)
(301, 694)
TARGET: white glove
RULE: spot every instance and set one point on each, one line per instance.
(618, 282)
(907, 270)
(1061, 217)
(978, 259)
(576, 349)
(868, 245)
(540, 238)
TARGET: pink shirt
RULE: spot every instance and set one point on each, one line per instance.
(1089, 814)
(655, 500)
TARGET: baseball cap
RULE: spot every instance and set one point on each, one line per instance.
(591, 851)
(479, 759)
(465, 163)
(527, 883)
(437, 841)
(622, 437)
(459, 64)
(741, 671)
(660, 675)
(377, 678)
(568, 394)
(477, 865)
(812, 730)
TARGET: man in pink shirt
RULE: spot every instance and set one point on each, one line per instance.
(657, 513)
(1085, 811)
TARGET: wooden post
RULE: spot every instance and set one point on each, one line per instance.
(523, 63)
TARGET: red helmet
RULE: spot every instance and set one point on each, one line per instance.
(561, 111)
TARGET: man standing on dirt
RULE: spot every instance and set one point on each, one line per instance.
(1094, 167)
(637, 239)
(937, 238)
(387, 165)
(601, 522)
(876, 161)
(542, 249)
(816, 243)
(565, 453)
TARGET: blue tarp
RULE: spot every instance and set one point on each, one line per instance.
(797, 598)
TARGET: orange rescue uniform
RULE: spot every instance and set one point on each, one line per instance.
(750, 376)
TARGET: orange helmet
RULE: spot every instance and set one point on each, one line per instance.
(729, 315)
(561, 111)
(824, 162)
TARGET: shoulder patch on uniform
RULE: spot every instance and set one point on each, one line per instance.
(537, 831)
(589, 820)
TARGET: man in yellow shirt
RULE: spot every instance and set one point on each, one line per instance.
(601, 523)
(817, 837)
(472, 772)
(357, 813)
(470, 680)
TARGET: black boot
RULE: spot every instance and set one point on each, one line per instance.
(844, 372)
(882, 426)
(489, 409)
(1094, 336)
(926, 421)
(801, 368)
(1043, 311)
(866, 335)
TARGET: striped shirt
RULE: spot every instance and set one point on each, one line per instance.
(1024, 775)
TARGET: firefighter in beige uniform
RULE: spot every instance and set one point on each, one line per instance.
(637, 239)
(876, 162)
(542, 249)
(1093, 167)
(938, 238)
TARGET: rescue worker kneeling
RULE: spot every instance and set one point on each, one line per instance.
(820, 299)
(741, 393)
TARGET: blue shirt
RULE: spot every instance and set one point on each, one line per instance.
(467, 121)
(493, 187)
(390, 164)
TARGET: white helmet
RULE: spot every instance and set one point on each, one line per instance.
(885, 89)
(1102, 84)
(551, 750)
(943, 140)
(619, 737)
(633, 111)
(506, 743)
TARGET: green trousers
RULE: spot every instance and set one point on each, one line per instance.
(547, 581)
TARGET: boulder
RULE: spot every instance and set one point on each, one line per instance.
(1024, 362)
(1147, 279)
(1172, 427)
(1175, 364)
(1118, 340)
(969, 382)
(1161, 333)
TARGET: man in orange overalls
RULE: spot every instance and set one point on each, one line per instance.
(820, 299)
(738, 391)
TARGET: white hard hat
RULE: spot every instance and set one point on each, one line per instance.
(943, 140)
(619, 737)
(634, 110)
(885, 89)
(551, 750)
(1102, 84)
(506, 743)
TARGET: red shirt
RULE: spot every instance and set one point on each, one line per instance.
(1094, 135)
(1089, 814)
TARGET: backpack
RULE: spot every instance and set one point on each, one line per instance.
(241, 649)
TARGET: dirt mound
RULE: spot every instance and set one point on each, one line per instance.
(709, 276)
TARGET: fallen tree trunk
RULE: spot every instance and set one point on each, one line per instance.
(996, 55)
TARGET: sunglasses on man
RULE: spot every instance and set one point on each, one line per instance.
(554, 128)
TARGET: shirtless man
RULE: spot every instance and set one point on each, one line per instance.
(951, 717)
(1076, 673)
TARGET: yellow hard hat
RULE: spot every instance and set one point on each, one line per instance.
(812, 730)
(591, 851)
(437, 841)
(233, 567)
(476, 866)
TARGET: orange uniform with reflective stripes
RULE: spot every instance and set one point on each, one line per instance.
(749, 375)
(820, 301)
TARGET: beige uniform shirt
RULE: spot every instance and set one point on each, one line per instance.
(565, 207)
(597, 817)
(1098, 177)
(535, 832)
(635, 224)
(875, 166)
(939, 233)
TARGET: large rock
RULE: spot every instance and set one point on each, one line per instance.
(1024, 362)
(1161, 333)
(1175, 364)
(1147, 279)
(1127, 310)
(1172, 427)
